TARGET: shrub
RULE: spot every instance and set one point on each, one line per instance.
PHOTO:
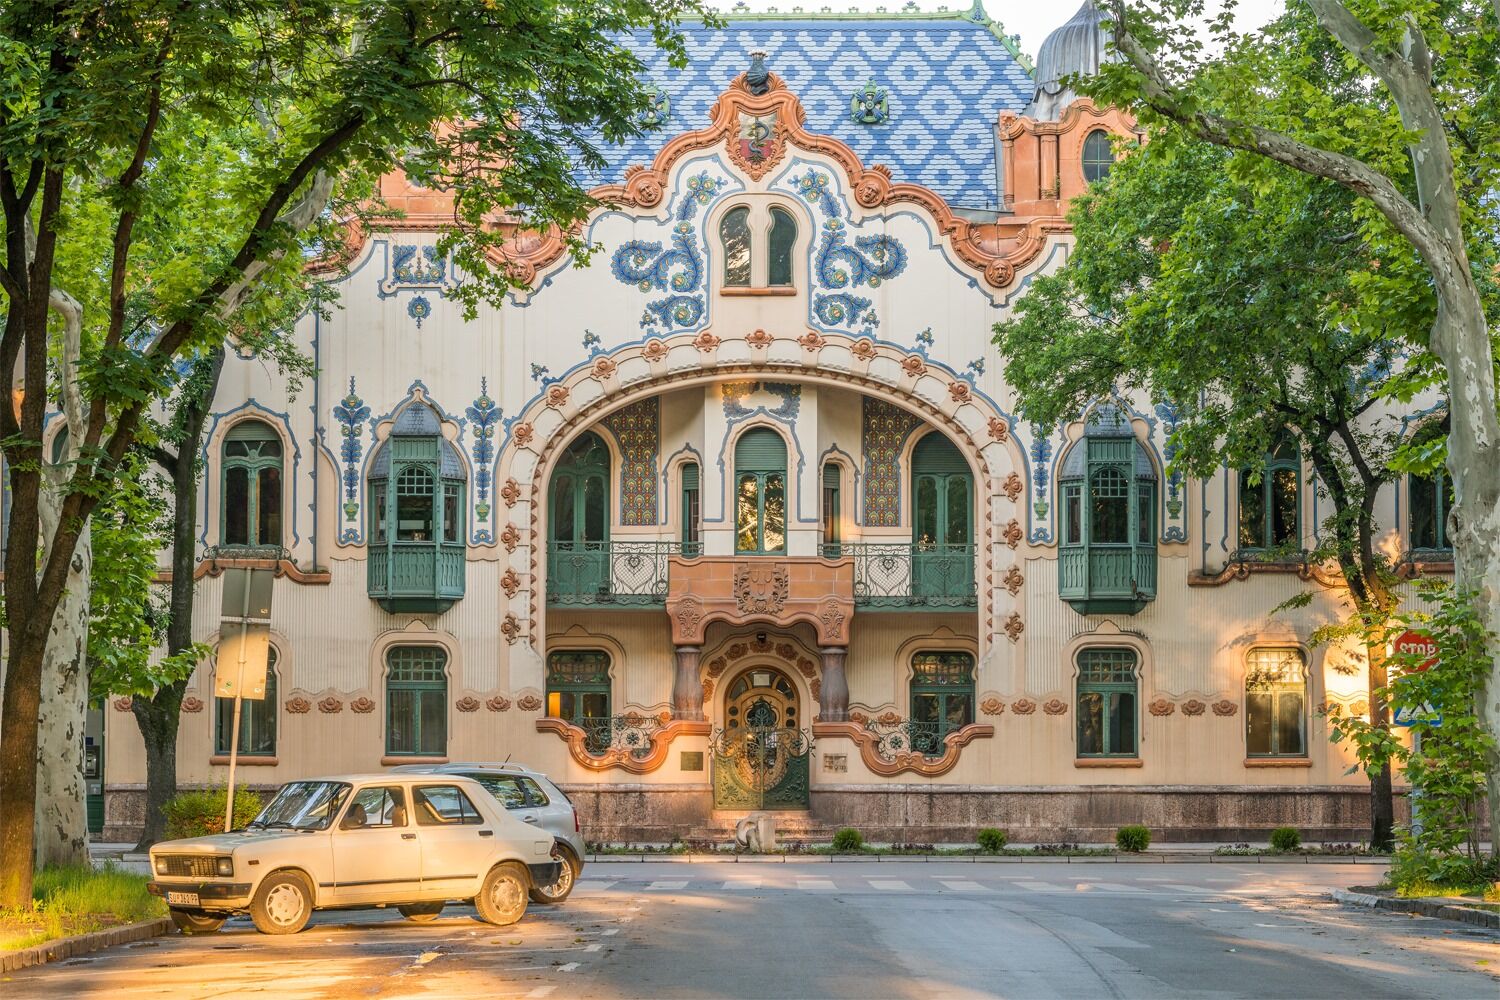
(848, 840)
(200, 813)
(1133, 838)
(1285, 838)
(992, 841)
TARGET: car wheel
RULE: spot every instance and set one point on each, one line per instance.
(195, 921)
(502, 898)
(421, 912)
(562, 888)
(282, 905)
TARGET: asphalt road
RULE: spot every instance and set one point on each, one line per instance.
(919, 930)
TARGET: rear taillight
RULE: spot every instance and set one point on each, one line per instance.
(576, 827)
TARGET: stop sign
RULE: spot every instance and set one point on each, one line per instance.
(1415, 642)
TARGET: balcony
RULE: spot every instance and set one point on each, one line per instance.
(906, 576)
(613, 574)
(1107, 579)
(423, 577)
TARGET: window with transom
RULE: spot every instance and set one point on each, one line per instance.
(1276, 702)
(416, 692)
(257, 719)
(250, 486)
(692, 511)
(1107, 699)
(760, 492)
(1430, 497)
(942, 698)
(1270, 502)
(578, 688)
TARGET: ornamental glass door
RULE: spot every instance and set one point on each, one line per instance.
(761, 754)
(942, 562)
(578, 550)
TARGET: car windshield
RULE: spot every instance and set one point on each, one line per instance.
(302, 805)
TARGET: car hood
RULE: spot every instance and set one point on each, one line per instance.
(223, 843)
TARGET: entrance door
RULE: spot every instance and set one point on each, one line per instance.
(93, 767)
(942, 563)
(761, 754)
(578, 557)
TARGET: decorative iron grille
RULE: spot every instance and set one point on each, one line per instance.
(614, 573)
(892, 739)
(907, 575)
(634, 733)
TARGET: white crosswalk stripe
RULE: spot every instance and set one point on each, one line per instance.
(587, 885)
(815, 884)
(1042, 887)
(1111, 887)
(680, 883)
(889, 885)
(963, 886)
(742, 883)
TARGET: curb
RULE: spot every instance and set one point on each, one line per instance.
(1421, 907)
(82, 944)
(982, 859)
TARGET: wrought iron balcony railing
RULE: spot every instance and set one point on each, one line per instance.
(633, 733)
(908, 575)
(616, 573)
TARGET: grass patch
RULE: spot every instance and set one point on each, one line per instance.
(77, 900)
(1422, 889)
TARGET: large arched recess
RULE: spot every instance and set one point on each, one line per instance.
(590, 392)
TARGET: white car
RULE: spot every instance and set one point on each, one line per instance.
(409, 841)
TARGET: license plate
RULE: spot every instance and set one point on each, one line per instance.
(182, 898)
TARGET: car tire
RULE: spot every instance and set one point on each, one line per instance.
(195, 921)
(563, 887)
(502, 897)
(283, 904)
(420, 913)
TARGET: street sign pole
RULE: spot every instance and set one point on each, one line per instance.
(246, 606)
(1416, 792)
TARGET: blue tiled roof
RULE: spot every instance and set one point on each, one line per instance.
(947, 80)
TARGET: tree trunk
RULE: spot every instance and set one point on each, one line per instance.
(1382, 797)
(157, 718)
(61, 810)
(18, 742)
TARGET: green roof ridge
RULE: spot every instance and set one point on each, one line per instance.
(975, 14)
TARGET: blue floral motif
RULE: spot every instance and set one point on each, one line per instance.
(419, 309)
(1041, 458)
(414, 267)
(813, 187)
(351, 413)
(975, 367)
(645, 264)
(700, 191)
(843, 309)
(483, 415)
(539, 372)
(1171, 416)
(591, 342)
(925, 339)
(837, 265)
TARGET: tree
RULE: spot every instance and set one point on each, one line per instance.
(110, 116)
(1244, 311)
(1418, 151)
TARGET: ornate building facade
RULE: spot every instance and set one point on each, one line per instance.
(740, 515)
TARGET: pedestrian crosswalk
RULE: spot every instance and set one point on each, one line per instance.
(926, 884)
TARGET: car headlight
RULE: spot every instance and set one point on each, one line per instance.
(226, 866)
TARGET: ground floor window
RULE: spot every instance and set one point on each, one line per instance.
(1276, 703)
(942, 698)
(257, 719)
(416, 688)
(1107, 695)
(578, 690)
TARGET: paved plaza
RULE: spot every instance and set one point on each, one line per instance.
(862, 929)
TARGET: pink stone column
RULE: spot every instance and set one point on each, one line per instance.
(687, 689)
(833, 696)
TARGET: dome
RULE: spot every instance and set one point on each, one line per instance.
(1076, 48)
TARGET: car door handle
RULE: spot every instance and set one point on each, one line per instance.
(486, 833)
(408, 836)
(530, 819)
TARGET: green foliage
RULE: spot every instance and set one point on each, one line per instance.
(848, 841)
(1285, 838)
(992, 840)
(201, 812)
(78, 899)
(1133, 838)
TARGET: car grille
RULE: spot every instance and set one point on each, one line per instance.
(187, 865)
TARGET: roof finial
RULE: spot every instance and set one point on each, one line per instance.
(757, 77)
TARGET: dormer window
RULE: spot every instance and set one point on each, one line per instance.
(759, 245)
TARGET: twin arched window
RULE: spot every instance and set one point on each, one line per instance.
(742, 231)
(251, 486)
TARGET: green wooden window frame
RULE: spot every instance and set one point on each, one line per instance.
(1098, 155)
(257, 719)
(833, 509)
(760, 493)
(692, 511)
(416, 692)
(578, 685)
(250, 486)
(942, 697)
(1110, 505)
(1108, 702)
(1276, 702)
(1429, 499)
(1271, 509)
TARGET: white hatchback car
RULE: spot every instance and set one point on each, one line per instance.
(409, 841)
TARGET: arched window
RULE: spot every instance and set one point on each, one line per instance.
(942, 698)
(251, 485)
(833, 478)
(1430, 499)
(416, 699)
(578, 692)
(760, 492)
(779, 248)
(1107, 528)
(1276, 703)
(1098, 155)
(257, 719)
(734, 234)
(1270, 505)
(692, 511)
(1107, 695)
(942, 534)
(578, 524)
(417, 549)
